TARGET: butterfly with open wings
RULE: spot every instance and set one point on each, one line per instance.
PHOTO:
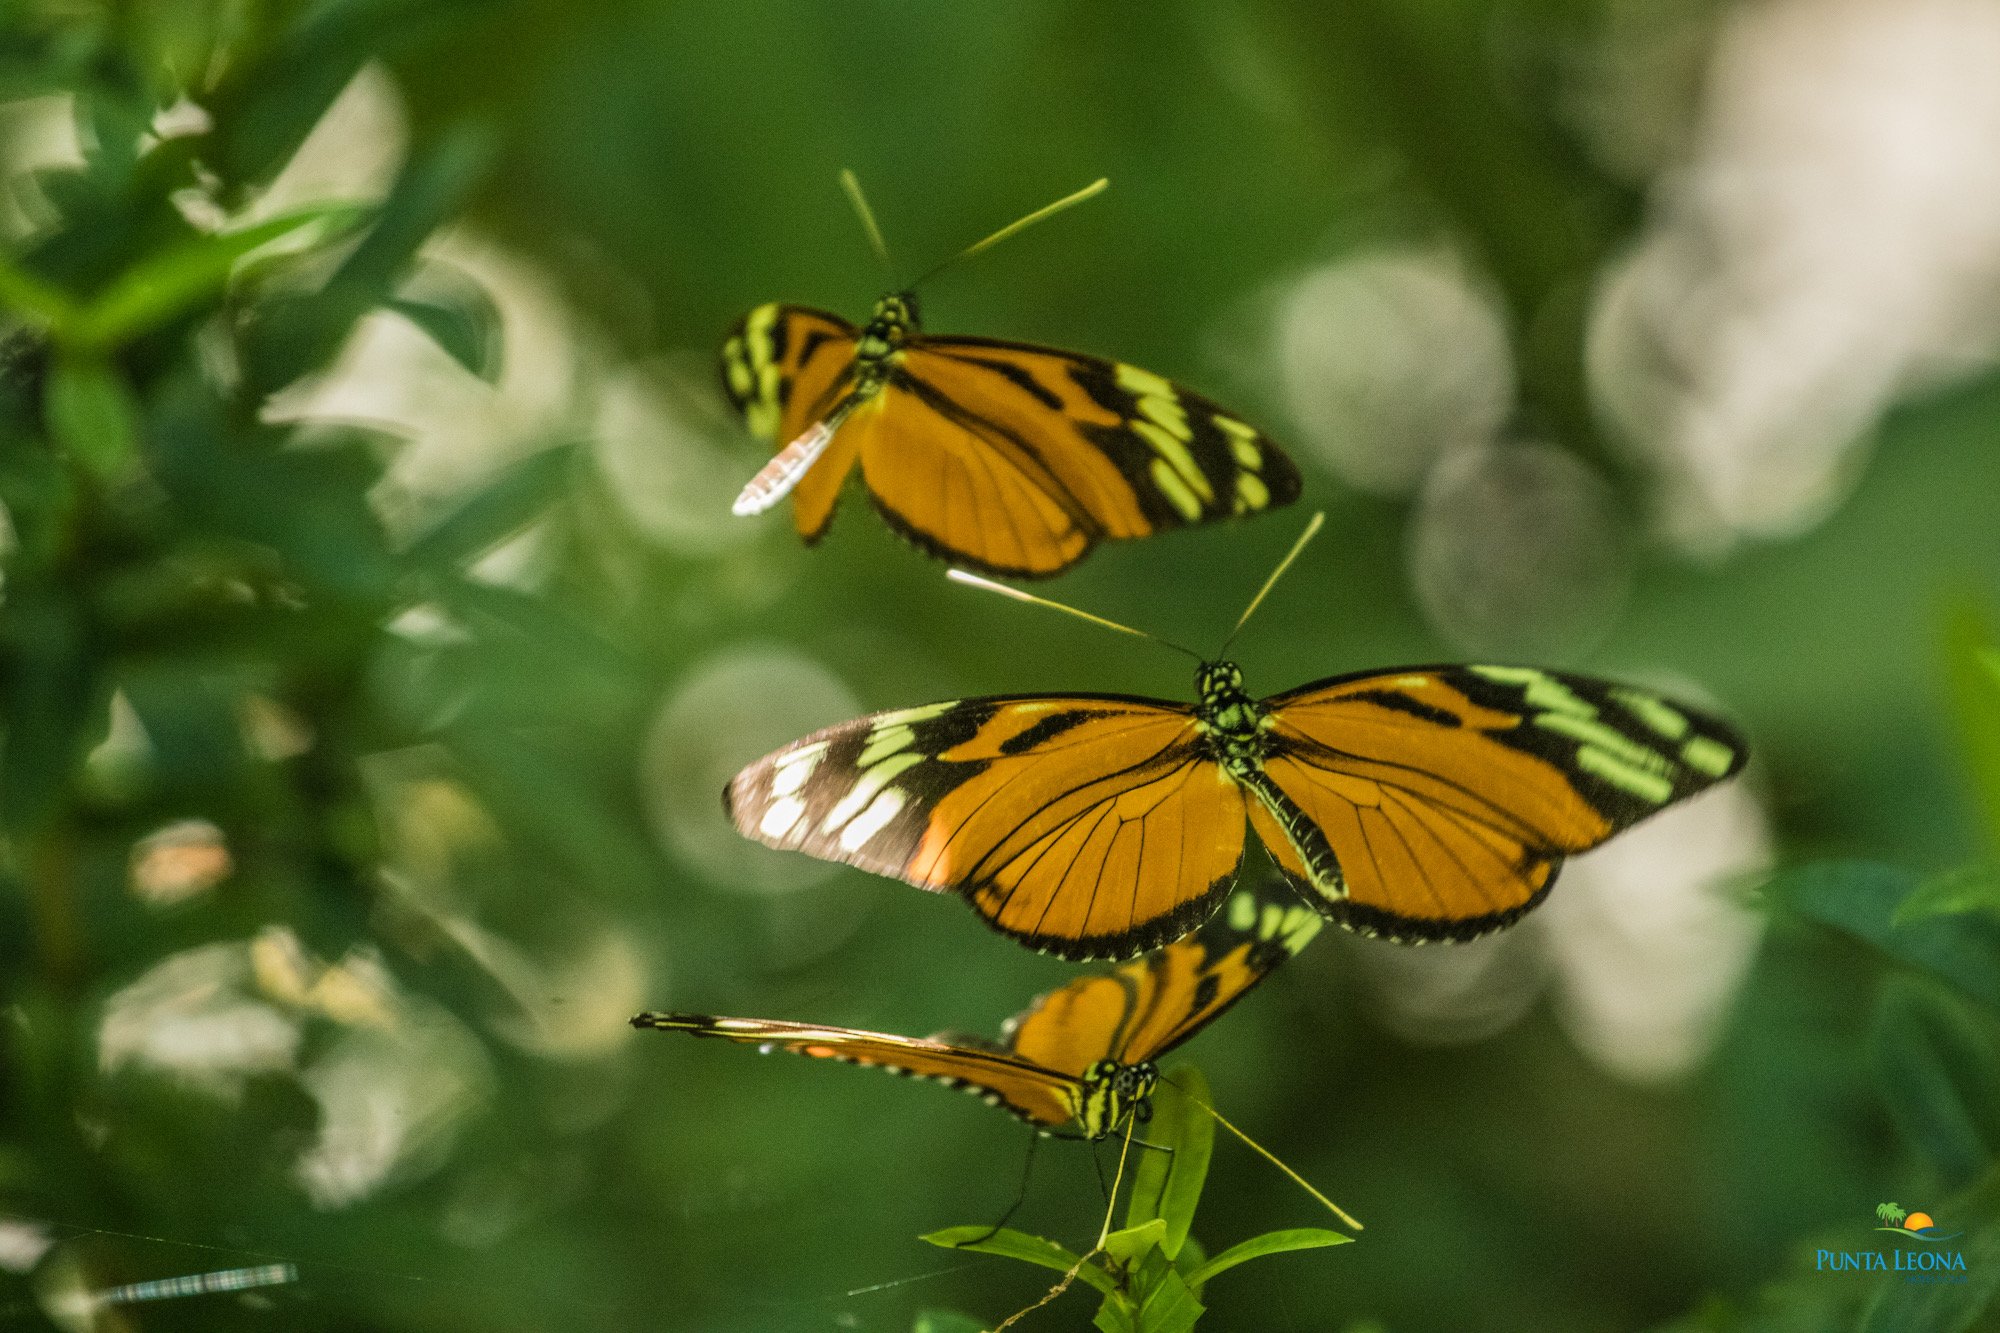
(1001, 456)
(1082, 1056)
(1417, 803)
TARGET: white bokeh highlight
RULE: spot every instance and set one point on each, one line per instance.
(1832, 245)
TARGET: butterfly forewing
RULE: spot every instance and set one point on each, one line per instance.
(786, 369)
(1087, 826)
(1041, 1096)
(1438, 802)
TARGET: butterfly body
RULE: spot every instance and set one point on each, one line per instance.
(1001, 456)
(1083, 1057)
(1417, 803)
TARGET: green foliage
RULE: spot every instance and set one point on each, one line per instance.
(1150, 1272)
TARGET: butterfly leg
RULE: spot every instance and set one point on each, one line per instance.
(1027, 1169)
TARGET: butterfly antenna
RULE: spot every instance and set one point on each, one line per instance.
(972, 580)
(1266, 1153)
(852, 185)
(1103, 1233)
(1312, 528)
(1096, 187)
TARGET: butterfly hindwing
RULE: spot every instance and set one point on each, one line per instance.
(1149, 1006)
(1438, 802)
(1016, 459)
(1087, 826)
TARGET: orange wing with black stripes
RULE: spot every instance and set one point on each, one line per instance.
(1436, 803)
(1422, 803)
(1041, 1096)
(1152, 1004)
(1087, 826)
(1040, 1068)
(1000, 456)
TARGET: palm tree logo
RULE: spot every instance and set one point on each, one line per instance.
(1890, 1213)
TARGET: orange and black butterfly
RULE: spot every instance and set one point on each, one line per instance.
(1414, 803)
(1083, 1055)
(1001, 456)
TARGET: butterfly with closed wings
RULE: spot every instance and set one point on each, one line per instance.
(1001, 456)
(1414, 803)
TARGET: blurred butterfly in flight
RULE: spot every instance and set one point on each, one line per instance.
(1414, 803)
(999, 456)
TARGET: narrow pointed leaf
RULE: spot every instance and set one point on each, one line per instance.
(166, 284)
(1271, 1242)
(1011, 1244)
(498, 510)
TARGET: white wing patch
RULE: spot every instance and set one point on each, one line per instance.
(783, 472)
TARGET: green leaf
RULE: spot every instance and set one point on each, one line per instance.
(457, 314)
(166, 284)
(1271, 1242)
(1168, 1181)
(1168, 1307)
(90, 414)
(300, 334)
(505, 505)
(1012, 1244)
(26, 294)
(1114, 1316)
(1975, 694)
(1128, 1245)
(1935, 1060)
(1956, 892)
(1862, 898)
(947, 1321)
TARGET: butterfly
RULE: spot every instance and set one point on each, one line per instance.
(1084, 1054)
(1001, 456)
(1415, 803)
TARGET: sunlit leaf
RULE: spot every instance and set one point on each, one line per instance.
(1271, 1242)
(1168, 1307)
(1975, 692)
(1954, 893)
(1127, 1245)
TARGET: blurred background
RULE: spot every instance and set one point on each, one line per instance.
(375, 640)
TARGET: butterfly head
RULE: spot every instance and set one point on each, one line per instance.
(894, 320)
(1230, 714)
(1111, 1091)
